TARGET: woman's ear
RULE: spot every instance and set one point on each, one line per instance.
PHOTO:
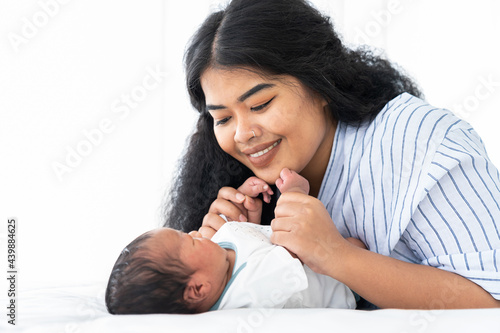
(325, 103)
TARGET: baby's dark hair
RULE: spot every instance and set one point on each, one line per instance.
(139, 284)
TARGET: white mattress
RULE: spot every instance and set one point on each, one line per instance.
(79, 309)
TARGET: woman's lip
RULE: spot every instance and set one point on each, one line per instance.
(267, 157)
(265, 151)
(260, 147)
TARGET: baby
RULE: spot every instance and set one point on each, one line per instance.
(168, 271)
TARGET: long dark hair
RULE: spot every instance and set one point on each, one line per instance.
(272, 37)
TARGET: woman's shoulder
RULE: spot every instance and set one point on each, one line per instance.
(406, 129)
(409, 119)
(406, 110)
(403, 115)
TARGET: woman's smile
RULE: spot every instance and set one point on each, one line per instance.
(262, 157)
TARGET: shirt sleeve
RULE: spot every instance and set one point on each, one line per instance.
(456, 226)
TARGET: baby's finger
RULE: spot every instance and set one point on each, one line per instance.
(279, 183)
(266, 197)
(266, 194)
(253, 186)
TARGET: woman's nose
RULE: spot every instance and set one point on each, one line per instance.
(244, 130)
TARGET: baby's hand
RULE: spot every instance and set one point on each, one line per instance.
(251, 188)
(290, 181)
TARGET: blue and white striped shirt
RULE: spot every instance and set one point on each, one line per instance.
(416, 184)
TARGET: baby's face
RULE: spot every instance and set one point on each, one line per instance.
(199, 254)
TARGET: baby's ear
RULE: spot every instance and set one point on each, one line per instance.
(195, 293)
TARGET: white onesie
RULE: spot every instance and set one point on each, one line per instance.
(267, 276)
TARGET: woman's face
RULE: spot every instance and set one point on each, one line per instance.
(291, 123)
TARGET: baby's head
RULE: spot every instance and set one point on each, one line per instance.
(167, 271)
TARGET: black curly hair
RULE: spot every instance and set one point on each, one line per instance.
(271, 37)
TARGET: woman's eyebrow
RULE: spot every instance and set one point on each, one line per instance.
(245, 96)
(255, 90)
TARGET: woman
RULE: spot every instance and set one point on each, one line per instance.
(276, 89)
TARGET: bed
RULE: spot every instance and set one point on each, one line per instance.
(81, 308)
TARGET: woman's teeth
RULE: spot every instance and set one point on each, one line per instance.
(262, 152)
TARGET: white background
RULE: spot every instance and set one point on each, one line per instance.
(67, 67)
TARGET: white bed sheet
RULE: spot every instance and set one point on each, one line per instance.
(81, 309)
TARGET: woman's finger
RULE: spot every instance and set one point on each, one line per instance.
(213, 221)
(195, 234)
(286, 209)
(283, 224)
(284, 238)
(252, 204)
(207, 232)
(253, 207)
(228, 209)
(235, 197)
(231, 194)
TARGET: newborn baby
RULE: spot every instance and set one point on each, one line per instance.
(168, 271)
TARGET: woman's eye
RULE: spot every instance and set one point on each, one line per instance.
(222, 121)
(262, 106)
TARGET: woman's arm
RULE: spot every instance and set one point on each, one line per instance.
(391, 283)
(304, 227)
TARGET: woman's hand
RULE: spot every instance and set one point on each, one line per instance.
(304, 227)
(237, 205)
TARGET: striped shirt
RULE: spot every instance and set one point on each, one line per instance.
(416, 184)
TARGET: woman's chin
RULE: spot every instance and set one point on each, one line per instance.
(269, 176)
